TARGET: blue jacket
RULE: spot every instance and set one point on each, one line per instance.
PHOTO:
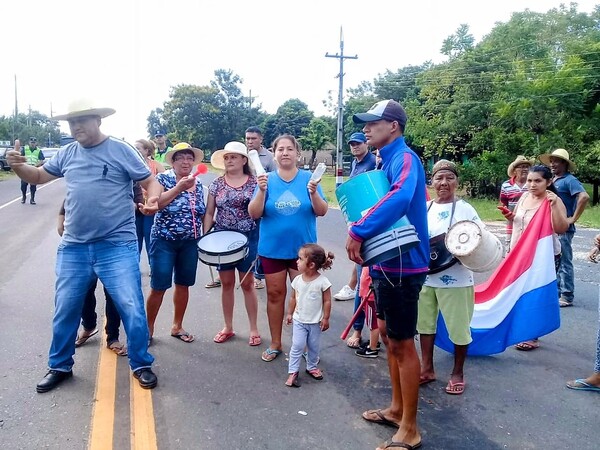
(407, 197)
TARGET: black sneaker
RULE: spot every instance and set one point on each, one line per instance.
(365, 344)
(366, 352)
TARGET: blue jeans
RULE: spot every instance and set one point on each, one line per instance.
(566, 274)
(305, 335)
(89, 318)
(143, 227)
(597, 365)
(359, 323)
(116, 264)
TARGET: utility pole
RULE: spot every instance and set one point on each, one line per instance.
(14, 136)
(251, 99)
(339, 173)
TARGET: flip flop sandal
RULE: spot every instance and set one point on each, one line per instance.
(581, 385)
(184, 336)
(269, 354)
(353, 342)
(213, 284)
(223, 337)
(526, 346)
(293, 380)
(315, 373)
(118, 348)
(83, 337)
(254, 341)
(379, 418)
(455, 388)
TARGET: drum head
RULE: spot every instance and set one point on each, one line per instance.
(463, 238)
(222, 242)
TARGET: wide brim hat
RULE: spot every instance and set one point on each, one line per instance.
(558, 153)
(217, 160)
(518, 161)
(84, 107)
(198, 154)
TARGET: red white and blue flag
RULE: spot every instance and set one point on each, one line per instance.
(520, 300)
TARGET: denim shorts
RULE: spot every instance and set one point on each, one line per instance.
(245, 264)
(397, 304)
(173, 261)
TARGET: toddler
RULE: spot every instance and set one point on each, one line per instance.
(309, 309)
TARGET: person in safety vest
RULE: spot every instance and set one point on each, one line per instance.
(162, 149)
(35, 157)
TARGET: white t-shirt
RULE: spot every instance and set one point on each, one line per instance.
(438, 220)
(309, 298)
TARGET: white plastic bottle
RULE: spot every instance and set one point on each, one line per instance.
(258, 167)
(319, 171)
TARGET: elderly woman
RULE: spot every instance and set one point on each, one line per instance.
(289, 203)
(512, 189)
(539, 189)
(229, 195)
(175, 233)
(143, 223)
(451, 290)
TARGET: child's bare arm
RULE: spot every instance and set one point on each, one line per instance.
(291, 308)
(326, 309)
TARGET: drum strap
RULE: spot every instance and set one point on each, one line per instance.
(192, 199)
(451, 213)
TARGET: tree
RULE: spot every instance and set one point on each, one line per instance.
(316, 135)
(291, 118)
(458, 43)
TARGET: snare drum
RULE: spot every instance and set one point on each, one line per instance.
(222, 247)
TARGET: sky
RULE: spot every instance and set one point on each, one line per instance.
(127, 54)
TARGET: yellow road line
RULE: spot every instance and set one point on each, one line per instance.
(103, 415)
(143, 431)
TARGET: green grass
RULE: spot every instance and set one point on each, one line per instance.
(4, 174)
(485, 208)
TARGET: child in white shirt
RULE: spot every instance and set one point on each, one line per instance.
(309, 309)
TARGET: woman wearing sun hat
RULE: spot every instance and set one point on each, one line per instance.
(575, 198)
(513, 188)
(230, 195)
(174, 237)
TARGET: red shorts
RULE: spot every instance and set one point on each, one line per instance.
(271, 265)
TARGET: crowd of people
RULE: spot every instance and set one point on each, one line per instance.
(151, 198)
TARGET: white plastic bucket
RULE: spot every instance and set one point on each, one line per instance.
(476, 248)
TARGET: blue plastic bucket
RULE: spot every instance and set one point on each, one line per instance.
(356, 197)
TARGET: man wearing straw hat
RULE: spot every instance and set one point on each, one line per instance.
(512, 189)
(99, 239)
(575, 198)
(398, 281)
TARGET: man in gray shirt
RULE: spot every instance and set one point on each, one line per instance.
(99, 239)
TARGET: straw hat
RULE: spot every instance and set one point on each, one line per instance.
(198, 154)
(558, 153)
(517, 162)
(231, 147)
(84, 107)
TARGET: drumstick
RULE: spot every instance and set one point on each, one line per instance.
(251, 269)
(354, 317)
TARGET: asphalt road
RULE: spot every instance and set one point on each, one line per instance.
(214, 396)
